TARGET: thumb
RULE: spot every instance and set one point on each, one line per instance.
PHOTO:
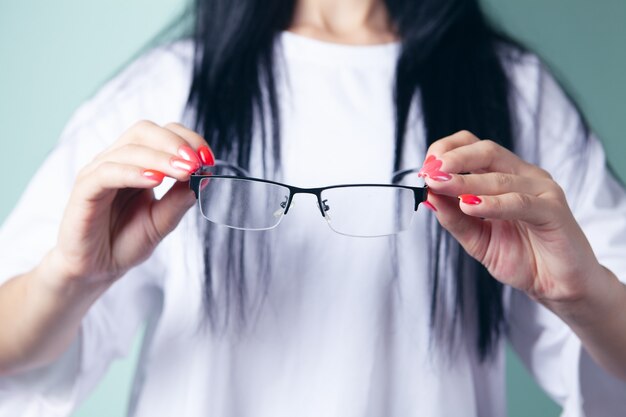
(469, 231)
(167, 212)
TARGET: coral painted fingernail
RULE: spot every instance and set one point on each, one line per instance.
(470, 199)
(188, 154)
(429, 206)
(430, 164)
(184, 165)
(439, 176)
(206, 156)
(431, 169)
(153, 175)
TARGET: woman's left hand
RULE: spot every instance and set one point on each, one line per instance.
(511, 216)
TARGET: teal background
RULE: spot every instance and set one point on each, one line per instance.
(54, 55)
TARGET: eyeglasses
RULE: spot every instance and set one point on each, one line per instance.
(362, 210)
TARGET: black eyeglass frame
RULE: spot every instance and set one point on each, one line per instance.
(419, 193)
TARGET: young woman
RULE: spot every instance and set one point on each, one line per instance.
(524, 240)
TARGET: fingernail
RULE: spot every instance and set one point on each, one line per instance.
(429, 206)
(470, 199)
(184, 165)
(431, 169)
(153, 175)
(431, 164)
(439, 176)
(206, 156)
(188, 154)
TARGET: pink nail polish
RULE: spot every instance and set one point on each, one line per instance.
(184, 165)
(440, 176)
(431, 169)
(432, 165)
(470, 199)
(206, 156)
(153, 175)
(188, 154)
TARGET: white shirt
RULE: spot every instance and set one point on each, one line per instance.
(335, 336)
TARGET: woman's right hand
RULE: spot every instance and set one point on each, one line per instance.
(112, 221)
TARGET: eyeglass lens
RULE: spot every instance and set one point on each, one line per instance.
(368, 211)
(241, 203)
(363, 211)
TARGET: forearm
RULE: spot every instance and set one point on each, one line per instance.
(40, 314)
(599, 320)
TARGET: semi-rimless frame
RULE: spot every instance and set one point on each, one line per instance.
(365, 210)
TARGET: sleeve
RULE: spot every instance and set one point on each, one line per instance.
(108, 329)
(549, 349)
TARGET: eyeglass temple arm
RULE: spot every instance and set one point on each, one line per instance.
(421, 194)
(398, 176)
(395, 178)
(223, 164)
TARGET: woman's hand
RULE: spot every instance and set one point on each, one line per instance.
(509, 215)
(513, 218)
(112, 221)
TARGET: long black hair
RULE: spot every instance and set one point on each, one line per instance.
(450, 61)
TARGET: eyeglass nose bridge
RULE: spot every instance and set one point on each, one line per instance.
(321, 205)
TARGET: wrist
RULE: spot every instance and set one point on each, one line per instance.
(54, 274)
(592, 305)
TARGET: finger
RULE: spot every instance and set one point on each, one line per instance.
(467, 230)
(492, 183)
(487, 156)
(431, 168)
(448, 143)
(167, 212)
(511, 206)
(197, 142)
(96, 184)
(151, 135)
(143, 156)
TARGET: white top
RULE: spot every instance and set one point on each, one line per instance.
(335, 336)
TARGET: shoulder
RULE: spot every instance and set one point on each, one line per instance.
(525, 71)
(160, 71)
(534, 86)
(545, 116)
(154, 86)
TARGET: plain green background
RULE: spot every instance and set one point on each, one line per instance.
(54, 55)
